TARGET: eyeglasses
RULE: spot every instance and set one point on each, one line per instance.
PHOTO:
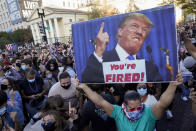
(135, 108)
(144, 87)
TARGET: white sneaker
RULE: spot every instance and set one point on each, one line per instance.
(184, 98)
(169, 114)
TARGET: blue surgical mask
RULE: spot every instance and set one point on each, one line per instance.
(23, 67)
(142, 91)
(2, 111)
(31, 81)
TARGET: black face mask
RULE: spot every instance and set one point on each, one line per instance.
(50, 126)
(66, 87)
(3, 87)
(18, 64)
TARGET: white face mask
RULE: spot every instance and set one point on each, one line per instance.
(142, 91)
(61, 68)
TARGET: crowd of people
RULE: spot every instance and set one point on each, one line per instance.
(40, 91)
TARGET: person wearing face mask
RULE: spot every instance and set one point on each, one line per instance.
(9, 118)
(66, 67)
(52, 66)
(66, 89)
(49, 80)
(147, 99)
(26, 64)
(33, 91)
(52, 121)
(14, 97)
(52, 103)
(15, 71)
(133, 115)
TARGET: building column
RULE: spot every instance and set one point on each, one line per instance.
(47, 33)
(52, 31)
(39, 39)
(57, 30)
(33, 33)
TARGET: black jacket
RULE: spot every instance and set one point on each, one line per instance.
(93, 72)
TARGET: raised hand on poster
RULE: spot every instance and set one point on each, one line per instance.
(102, 40)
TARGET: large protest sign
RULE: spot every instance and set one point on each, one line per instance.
(140, 47)
(120, 71)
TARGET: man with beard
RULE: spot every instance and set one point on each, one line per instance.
(66, 89)
(132, 32)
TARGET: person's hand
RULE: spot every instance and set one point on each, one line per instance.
(76, 82)
(37, 96)
(72, 110)
(193, 95)
(178, 81)
(102, 40)
(33, 97)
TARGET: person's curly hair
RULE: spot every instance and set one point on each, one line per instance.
(51, 61)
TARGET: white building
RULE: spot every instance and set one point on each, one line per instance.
(5, 21)
(58, 23)
(66, 4)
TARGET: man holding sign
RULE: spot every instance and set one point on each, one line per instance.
(105, 66)
(133, 115)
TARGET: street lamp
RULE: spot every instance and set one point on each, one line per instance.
(41, 15)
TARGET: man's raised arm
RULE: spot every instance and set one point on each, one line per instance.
(189, 46)
(97, 99)
(166, 98)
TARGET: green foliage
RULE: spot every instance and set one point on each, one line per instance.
(19, 36)
(101, 11)
(95, 13)
(4, 39)
(188, 6)
(132, 7)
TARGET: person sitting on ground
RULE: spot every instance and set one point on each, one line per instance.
(52, 103)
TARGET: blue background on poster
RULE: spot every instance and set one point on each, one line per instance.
(162, 35)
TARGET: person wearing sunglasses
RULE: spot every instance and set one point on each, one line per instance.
(133, 115)
(146, 98)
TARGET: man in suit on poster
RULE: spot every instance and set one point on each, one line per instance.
(132, 32)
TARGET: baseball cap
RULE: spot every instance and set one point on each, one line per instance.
(189, 62)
